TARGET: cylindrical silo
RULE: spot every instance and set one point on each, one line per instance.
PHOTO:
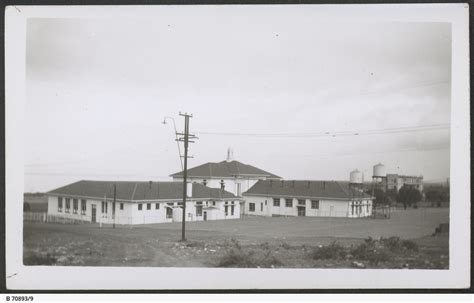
(356, 177)
(380, 171)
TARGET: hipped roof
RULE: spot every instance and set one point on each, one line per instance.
(139, 190)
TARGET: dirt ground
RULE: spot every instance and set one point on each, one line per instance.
(269, 242)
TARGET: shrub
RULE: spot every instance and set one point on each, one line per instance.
(393, 243)
(236, 256)
(332, 251)
(40, 259)
(410, 245)
(371, 252)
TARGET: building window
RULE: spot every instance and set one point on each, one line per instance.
(265, 202)
(213, 203)
(60, 204)
(157, 205)
(261, 206)
(75, 206)
(199, 211)
(289, 202)
(315, 204)
(226, 209)
(204, 182)
(121, 206)
(170, 204)
(251, 206)
(232, 202)
(148, 206)
(140, 206)
(199, 203)
(226, 202)
(83, 207)
(68, 205)
(301, 202)
(276, 202)
(232, 210)
(169, 213)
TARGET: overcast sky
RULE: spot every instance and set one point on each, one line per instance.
(98, 90)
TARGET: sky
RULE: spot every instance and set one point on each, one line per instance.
(297, 97)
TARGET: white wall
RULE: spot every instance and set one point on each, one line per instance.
(327, 208)
(130, 214)
(230, 183)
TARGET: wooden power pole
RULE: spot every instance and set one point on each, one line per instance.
(113, 204)
(184, 137)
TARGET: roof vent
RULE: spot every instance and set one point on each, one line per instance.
(230, 155)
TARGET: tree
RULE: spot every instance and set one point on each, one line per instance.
(409, 196)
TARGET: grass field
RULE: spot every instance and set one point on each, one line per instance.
(268, 242)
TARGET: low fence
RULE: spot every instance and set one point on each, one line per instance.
(45, 218)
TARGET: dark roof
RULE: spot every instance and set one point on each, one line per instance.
(310, 189)
(226, 169)
(132, 191)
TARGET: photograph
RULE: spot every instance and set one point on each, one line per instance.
(237, 137)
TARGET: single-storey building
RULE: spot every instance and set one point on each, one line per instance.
(306, 198)
(233, 176)
(140, 202)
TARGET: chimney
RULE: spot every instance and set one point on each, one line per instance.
(230, 155)
(309, 183)
(281, 183)
(189, 189)
(149, 184)
(324, 184)
(293, 183)
(222, 185)
(271, 183)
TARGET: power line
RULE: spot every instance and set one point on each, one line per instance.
(419, 128)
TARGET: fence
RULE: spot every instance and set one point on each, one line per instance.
(45, 218)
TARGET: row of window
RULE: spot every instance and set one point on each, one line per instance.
(75, 205)
(288, 203)
(301, 202)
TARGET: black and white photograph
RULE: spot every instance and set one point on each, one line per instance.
(249, 138)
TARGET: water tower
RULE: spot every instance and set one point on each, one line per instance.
(379, 180)
(356, 180)
(380, 174)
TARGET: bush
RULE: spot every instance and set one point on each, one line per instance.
(410, 245)
(40, 259)
(393, 244)
(238, 257)
(332, 251)
(371, 252)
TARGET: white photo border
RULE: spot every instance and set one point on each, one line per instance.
(20, 277)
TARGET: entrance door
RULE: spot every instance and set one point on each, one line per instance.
(205, 216)
(94, 211)
(301, 211)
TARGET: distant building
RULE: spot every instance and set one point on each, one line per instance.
(395, 181)
(307, 198)
(140, 202)
(230, 175)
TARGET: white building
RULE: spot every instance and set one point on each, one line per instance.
(231, 175)
(141, 202)
(306, 198)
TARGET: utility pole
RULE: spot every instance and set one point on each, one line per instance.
(185, 138)
(113, 204)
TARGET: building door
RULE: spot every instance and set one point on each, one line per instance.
(301, 211)
(205, 216)
(94, 212)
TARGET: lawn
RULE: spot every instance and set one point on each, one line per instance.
(269, 242)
